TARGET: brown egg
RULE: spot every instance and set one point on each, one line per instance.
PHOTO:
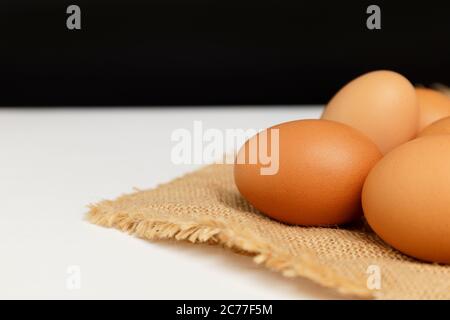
(381, 104)
(441, 126)
(406, 198)
(433, 105)
(321, 169)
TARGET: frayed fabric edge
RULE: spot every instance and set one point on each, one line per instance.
(214, 232)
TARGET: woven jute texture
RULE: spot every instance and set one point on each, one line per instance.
(205, 206)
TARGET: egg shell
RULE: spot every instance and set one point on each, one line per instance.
(406, 198)
(441, 126)
(381, 104)
(433, 106)
(321, 171)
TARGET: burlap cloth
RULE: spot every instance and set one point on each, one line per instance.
(205, 206)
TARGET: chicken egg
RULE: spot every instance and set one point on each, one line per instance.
(406, 198)
(441, 126)
(433, 105)
(381, 104)
(320, 172)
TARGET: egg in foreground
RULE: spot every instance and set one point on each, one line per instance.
(406, 198)
(321, 170)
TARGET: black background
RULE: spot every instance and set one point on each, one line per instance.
(202, 52)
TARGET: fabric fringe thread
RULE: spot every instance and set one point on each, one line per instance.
(213, 232)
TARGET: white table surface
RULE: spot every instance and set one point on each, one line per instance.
(54, 162)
